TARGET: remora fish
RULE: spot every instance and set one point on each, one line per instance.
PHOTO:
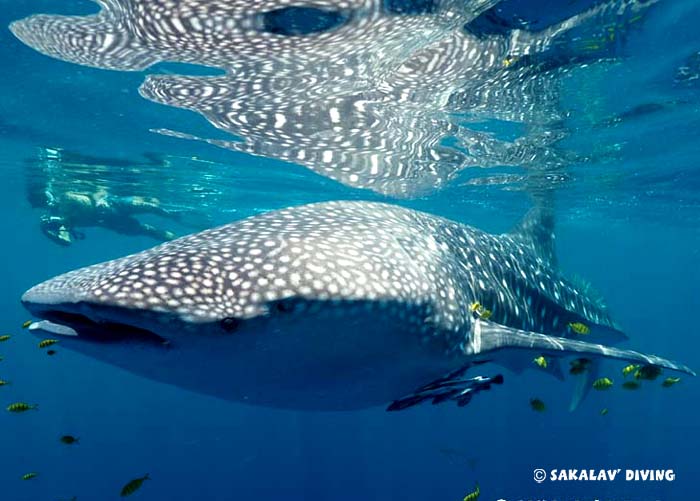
(329, 306)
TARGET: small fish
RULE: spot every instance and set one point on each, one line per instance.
(629, 369)
(51, 352)
(670, 381)
(29, 476)
(26, 324)
(630, 385)
(133, 485)
(474, 495)
(5, 337)
(579, 328)
(478, 309)
(3, 382)
(579, 366)
(509, 61)
(541, 361)
(22, 407)
(603, 412)
(648, 372)
(47, 342)
(537, 404)
(602, 383)
(70, 439)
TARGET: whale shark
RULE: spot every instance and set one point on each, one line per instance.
(334, 306)
(394, 97)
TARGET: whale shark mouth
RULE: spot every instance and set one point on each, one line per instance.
(69, 324)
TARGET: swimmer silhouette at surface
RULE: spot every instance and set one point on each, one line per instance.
(71, 210)
(70, 203)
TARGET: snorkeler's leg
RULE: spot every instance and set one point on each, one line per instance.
(157, 233)
(127, 225)
(141, 205)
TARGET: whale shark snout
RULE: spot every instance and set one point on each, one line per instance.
(53, 292)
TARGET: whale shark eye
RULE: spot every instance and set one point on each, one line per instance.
(229, 324)
(284, 306)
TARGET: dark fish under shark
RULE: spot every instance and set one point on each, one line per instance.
(329, 306)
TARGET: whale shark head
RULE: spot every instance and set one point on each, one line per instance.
(215, 281)
(321, 293)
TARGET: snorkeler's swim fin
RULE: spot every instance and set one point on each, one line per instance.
(488, 336)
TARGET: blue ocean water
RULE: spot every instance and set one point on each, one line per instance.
(628, 211)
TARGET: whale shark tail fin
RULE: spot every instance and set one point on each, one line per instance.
(488, 336)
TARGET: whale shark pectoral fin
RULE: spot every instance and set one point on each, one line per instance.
(453, 387)
(488, 336)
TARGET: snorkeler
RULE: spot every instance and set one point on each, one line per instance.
(71, 209)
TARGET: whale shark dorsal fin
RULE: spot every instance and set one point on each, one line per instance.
(537, 231)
